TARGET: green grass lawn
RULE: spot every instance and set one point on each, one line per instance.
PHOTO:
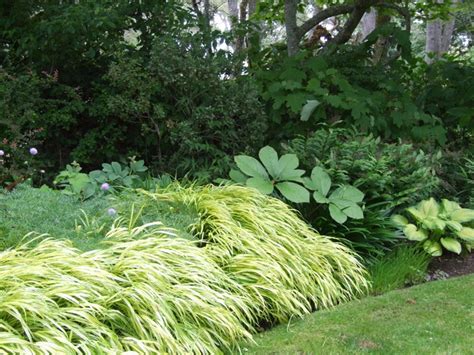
(432, 318)
(46, 211)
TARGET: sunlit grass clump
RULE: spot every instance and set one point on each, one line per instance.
(245, 259)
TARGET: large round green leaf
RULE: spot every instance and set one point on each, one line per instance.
(463, 215)
(250, 166)
(262, 185)
(451, 244)
(293, 192)
(269, 158)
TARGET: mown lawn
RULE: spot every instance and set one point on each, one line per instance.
(433, 318)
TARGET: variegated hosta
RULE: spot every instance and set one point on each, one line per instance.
(437, 226)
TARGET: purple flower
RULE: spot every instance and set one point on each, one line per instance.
(111, 212)
(2, 153)
(105, 187)
(33, 151)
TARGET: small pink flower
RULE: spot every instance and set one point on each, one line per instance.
(33, 151)
(111, 212)
(2, 153)
(105, 187)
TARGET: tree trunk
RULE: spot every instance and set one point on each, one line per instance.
(438, 37)
(293, 39)
(368, 23)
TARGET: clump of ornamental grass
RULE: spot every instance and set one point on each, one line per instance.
(148, 292)
(262, 244)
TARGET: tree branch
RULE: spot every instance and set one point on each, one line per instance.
(323, 15)
(401, 10)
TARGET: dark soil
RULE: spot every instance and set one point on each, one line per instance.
(451, 265)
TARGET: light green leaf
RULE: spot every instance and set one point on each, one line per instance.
(453, 225)
(429, 208)
(433, 248)
(250, 166)
(293, 192)
(308, 109)
(451, 244)
(336, 214)
(412, 233)
(466, 234)
(354, 211)
(319, 198)
(238, 176)
(262, 185)
(463, 215)
(434, 223)
(295, 175)
(449, 207)
(321, 180)
(348, 192)
(399, 220)
(269, 158)
(288, 163)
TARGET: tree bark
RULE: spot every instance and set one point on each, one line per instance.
(292, 35)
(368, 23)
(438, 37)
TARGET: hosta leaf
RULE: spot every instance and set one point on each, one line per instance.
(293, 192)
(416, 214)
(321, 180)
(466, 234)
(308, 109)
(238, 176)
(451, 244)
(449, 207)
(337, 214)
(399, 220)
(250, 166)
(463, 215)
(354, 211)
(262, 185)
(288, 163)
(319, 198)
(429, 208)
(433, 248)
(434, 223)
(413, 233)
(269, 158)
(453, 225)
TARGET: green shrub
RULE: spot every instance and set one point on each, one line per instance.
(405, 265)
(390, 175)
(438, 226)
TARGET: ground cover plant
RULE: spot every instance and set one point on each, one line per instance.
(424, 319)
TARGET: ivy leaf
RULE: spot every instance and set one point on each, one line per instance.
(250, 166)
(293, 192)
(451, 244)
(321, 180)
(308, 109)
(269, 158)
(336, 214)
(262, 185)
